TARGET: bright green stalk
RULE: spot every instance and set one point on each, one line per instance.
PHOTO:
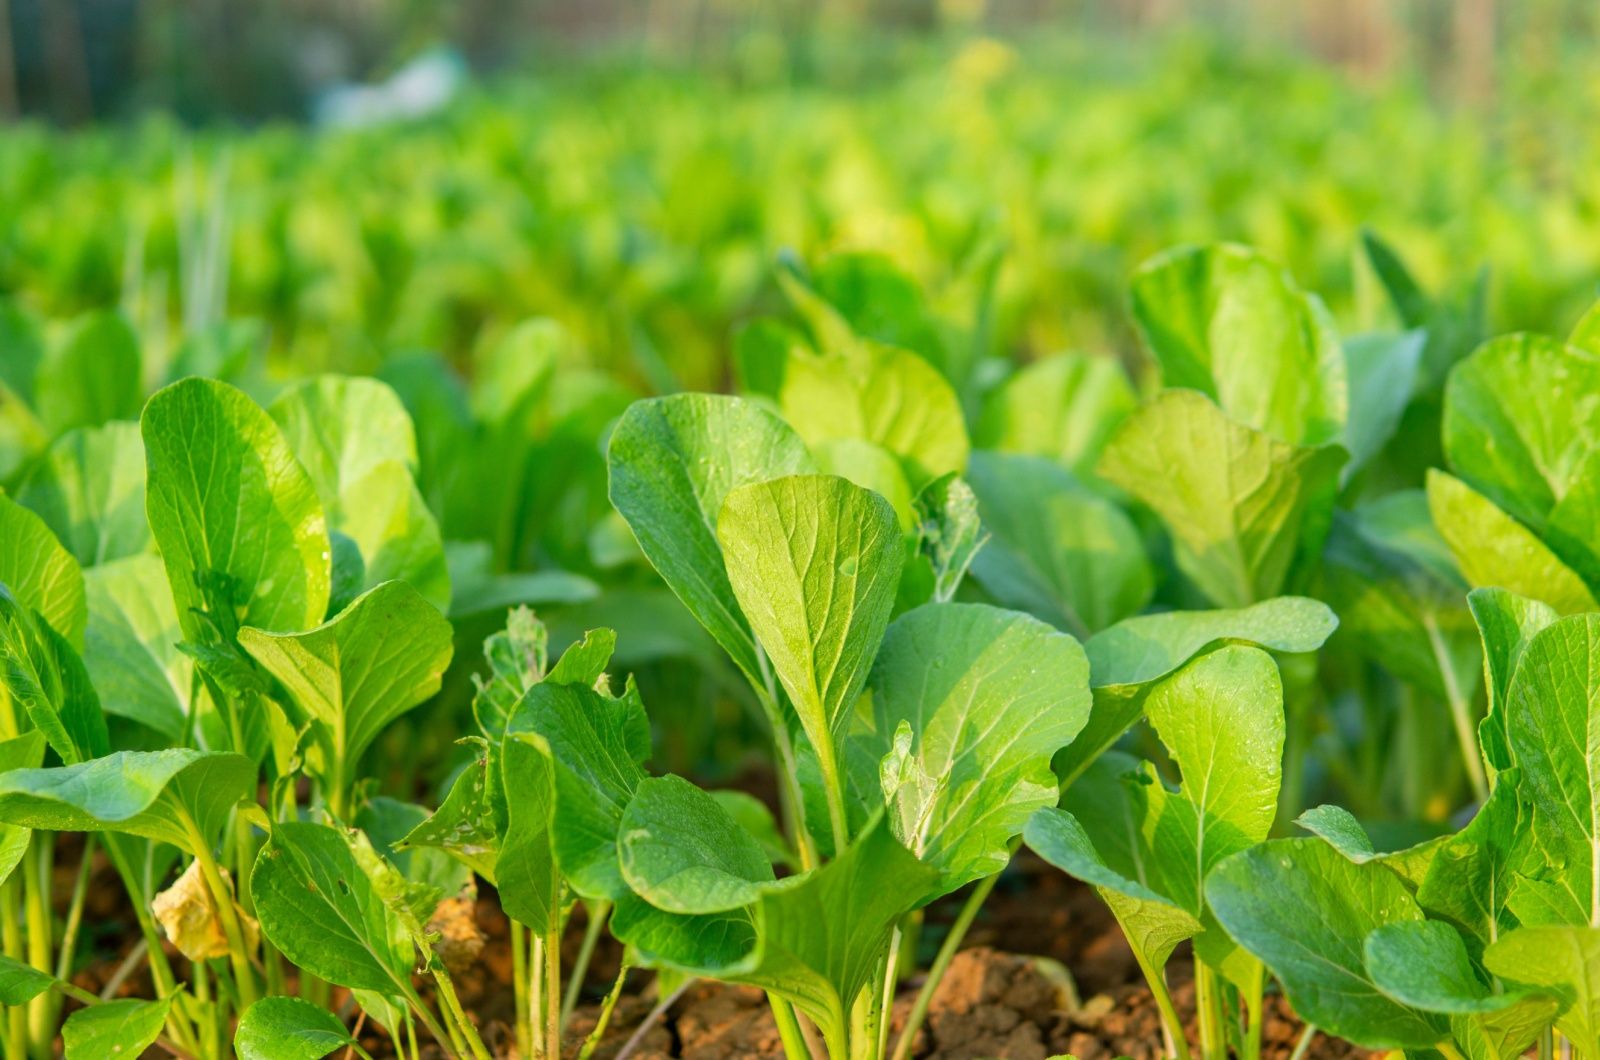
(1171, 1024)
(891, 976)
(599, 911)
(1253, 1009)
(17, 1017)
(455, 1013)
(1208, 1002)
(35, 869)
(519, 988)
(552, 993)
(238, 955)
(592, 1042)
(69, 931)
(1303, 1046)
(794, 1044)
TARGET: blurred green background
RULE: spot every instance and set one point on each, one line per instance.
(350, 180)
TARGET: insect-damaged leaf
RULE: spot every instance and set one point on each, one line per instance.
(226, 498)
(673, 462)
(985, 697)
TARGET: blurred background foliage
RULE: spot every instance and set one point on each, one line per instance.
(631, 168)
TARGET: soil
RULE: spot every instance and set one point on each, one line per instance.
(1045, 971)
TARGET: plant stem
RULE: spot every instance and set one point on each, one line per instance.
(16, 1037)
(519, 988)
(1252, 1003)
(941, 962)
(833, 788)
(652, 1019)
(1547, 1043)
(1460, 711)
(1303, 1046)
(1208, 1003)
(69, 931)
(794, 1044)
(1171, 1025)
(591, 1043)
(886, 1005)
(599, 910)
(35, 869)
(452, 1006)
(445, 1038)
(552, 992)
(238, 955)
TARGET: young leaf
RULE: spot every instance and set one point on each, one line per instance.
(21, 983)
(1553, 721)
(318, 906)
(89, 489)
(1305, 912)
(91, 376)
(1225, 321)
(356, 442)
(41, 574)
(879, 394)
(1341, 831)
(289, 1028)
(1240, 504)
(227, 498)
(673, 462)
(595, 744)
(1125, 659)
(179, 796)
(1565, 960)
(1506, 623)
(131, 645)
(125, 1027)
(1493, 549)
(357, 672)
(1059, 551)
(1064, 407)
(814, 562)
(1383, 375)
(681, 851)
(985, 697)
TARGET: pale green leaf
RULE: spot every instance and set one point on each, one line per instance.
(987, 698)
(1224, 320)
(357, 672)
(673, 462)
(1241, 505)
(1506, 623)
(89, 489)
(226, 496)
(131, 644)
(91, 376)
(1383, 375)
(1063, 407)
(1565, 960)
(40, 573)
(1339, 828)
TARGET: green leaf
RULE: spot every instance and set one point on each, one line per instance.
(227, 497)
(525, 869)
(89, 489)
(1383, 375)
(1474, 870)
(355, 440)
(890, 397)
(20, 983)
(1339, 828)
(1241, 505)
(1227, 322)
(1506, 623)
(1522, 423)
(357, 672)
(131, 645)
(1563, 959)
(1553, 721)
(814, 562)
(673, 462)
(1059, 550)
(126, 1027)
(41, 574)
(1493, 549)
(949, 533)
(681, 851)
(91, 376)
(19, 752)
(155, 794)
(1586, 335)
(1126, 658)
(1305, 911)
(288, 1028)
(985, 698)
(1424, 964)
(475, 588)
(1064, 407)
(464, 824)
(45, 680)
(595, 744)
(870, 467)
(317, 904)
(1410, 302)
(1153, 925)
(387, 822)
